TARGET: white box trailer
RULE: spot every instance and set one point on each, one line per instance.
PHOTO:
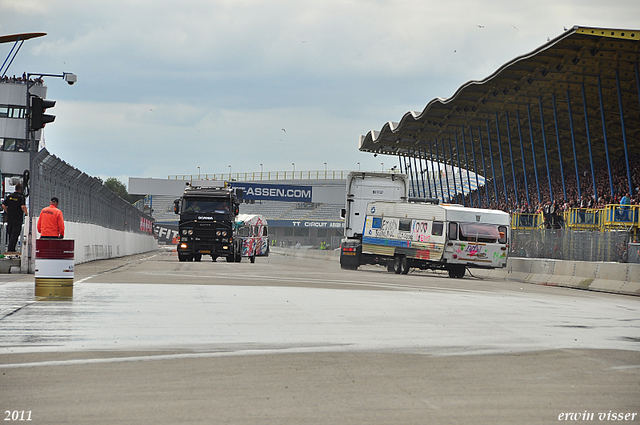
(402, 235)
(363, 188)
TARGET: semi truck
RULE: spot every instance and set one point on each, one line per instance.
(207, 218)
(404, 233)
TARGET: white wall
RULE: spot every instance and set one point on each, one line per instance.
(94, 242)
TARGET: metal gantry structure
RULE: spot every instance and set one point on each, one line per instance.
(567, 113)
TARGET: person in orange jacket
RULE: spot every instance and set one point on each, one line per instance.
(50, 222)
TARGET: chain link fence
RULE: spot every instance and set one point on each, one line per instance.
(83, 199)
(572, 245)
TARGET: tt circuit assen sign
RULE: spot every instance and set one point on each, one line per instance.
(274, 192)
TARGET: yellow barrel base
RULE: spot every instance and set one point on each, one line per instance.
(50, 288)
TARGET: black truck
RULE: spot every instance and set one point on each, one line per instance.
(207, 217)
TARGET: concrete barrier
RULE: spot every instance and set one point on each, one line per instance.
(617, 278)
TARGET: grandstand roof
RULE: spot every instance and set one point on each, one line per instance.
(550, 78)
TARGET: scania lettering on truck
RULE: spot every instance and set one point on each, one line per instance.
(207, 217)
(404, 235)
(362, 188)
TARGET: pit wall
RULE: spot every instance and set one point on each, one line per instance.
(94, 242)
(617, 278)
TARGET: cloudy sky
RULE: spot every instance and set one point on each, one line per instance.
(165, 87)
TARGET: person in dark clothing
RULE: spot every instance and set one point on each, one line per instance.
(15, 208)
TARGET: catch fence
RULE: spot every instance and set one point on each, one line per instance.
(570, 244)
(82, 198)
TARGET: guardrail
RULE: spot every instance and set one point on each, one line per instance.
(266, 175)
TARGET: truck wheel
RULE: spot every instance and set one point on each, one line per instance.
(389, 266)
(182, 257)
(214, 258)
(197, 257)
(348, 266)
(230, 258)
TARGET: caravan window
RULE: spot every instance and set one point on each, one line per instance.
(405, 225)
(480, 232)
(453, 231)
(503, 234)
(243, 231)
(437, 228)
(264, 231)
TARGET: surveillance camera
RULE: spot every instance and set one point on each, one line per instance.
(70, 78)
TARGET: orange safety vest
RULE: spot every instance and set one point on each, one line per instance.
(50, 222)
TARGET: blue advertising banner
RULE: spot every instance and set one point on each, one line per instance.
(274, 192)
(307, 224)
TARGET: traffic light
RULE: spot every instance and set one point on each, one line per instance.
(38, 117)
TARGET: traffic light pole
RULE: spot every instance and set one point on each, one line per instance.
(33, 151)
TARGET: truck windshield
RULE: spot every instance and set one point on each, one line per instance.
(206, 206)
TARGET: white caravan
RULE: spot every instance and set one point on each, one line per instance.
(403, 235)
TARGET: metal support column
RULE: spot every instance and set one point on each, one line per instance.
(453, 171)
(427, 169)
(475, 169)
(414, 166)
(555, 117)
(524, 167)
(446, 175)
(493, 168)
(439, 172)
(544, 143)
(533, 152)
(573, 143)
(459, 169)
(513, 170)
(504, 182)
(484, 169)
(466, 164)
(604, 134)
(624, 134)
(433, 173)
(433, 170)
(586, 124)
(410, 172)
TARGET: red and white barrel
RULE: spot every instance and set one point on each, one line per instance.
(54, 268)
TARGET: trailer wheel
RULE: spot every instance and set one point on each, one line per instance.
(457, 271)
(397, 264)
(252, 259)
(404, 265)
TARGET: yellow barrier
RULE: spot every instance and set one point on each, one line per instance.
(622, 217)
(524, 221)
(583, 218)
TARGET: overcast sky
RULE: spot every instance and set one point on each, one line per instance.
(165, 87)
